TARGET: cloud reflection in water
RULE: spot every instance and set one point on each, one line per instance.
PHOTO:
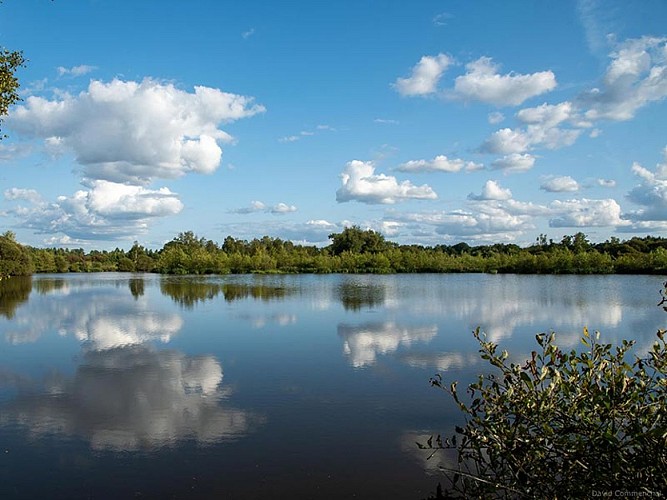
(102, 318)
(126, 394)
(363, 343)
(134, 398)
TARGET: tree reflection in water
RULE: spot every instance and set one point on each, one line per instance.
(137, 287)
(355, 295)
(188, 292)
(44, 286)
(14, 291)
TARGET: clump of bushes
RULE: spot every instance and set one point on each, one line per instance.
(563, 425)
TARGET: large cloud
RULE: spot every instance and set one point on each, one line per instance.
(636, 76)
(493, 215)
(126, 131)
(485, 220)
(360, 183)
(543, 128)
(103, 210)
(482, 82)
(587, 213)
(425, 76)
(488, 219)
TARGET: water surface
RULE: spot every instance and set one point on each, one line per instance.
(130, 385)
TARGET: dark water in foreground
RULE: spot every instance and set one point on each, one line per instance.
(143, 386)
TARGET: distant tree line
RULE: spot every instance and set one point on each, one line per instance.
(351, 251)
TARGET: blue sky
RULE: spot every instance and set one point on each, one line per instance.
(431, 121)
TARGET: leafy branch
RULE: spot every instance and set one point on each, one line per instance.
(561, 425)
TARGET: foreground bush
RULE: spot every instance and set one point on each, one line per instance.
(564, 425)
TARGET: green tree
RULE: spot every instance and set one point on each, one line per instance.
(61, 263)
(580, 243)
(356, 240)
(126, 265)
(10, 61)
(14, 258)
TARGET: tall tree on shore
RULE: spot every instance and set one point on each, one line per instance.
(14, 258)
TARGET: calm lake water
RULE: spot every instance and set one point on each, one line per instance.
(146, 386)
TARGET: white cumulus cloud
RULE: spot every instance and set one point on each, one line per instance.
(126, 131)
(636, 76)
(543, 128)
(514, 162)
(487, 220)
(507, 141)
(482, 82)
(491, 191)
(439, 164)
(586, 213)
(424, 77)
(283, 208)
(547, 115)
(560, 184)
(361, 183)
(103, 210)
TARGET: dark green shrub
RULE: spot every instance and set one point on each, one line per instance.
(564, 425)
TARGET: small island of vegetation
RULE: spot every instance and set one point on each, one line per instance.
(353, 250)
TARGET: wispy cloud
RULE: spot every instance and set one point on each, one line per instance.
(10, 152)
(595, 19)
(261, 207)
(306, 133)
(440, 164)
(495, 117)
(80, 70)
(442, 19)
(386, 121)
